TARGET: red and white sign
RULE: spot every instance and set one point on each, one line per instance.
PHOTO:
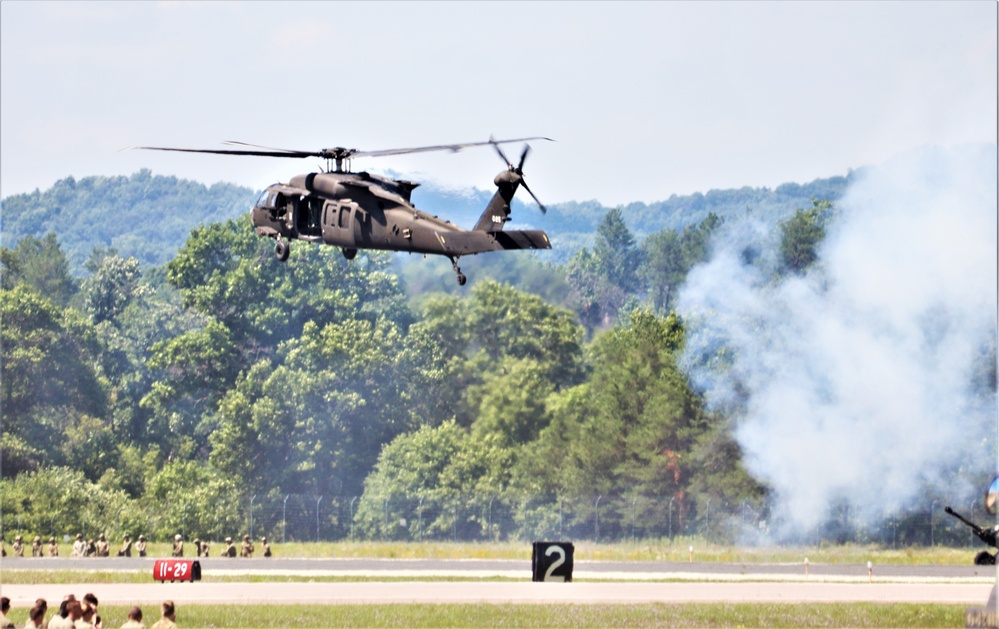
(176, 570)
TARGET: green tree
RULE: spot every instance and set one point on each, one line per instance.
(41, 264)
(669, 255)
(47, 367)
(114, 282)
(618, 257)
(801, 235)
(434, 482)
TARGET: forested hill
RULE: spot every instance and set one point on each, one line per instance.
(149, 217)
(144, 216)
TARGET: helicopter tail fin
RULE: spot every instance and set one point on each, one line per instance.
(497, 213)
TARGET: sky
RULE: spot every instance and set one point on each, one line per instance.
(644, 100)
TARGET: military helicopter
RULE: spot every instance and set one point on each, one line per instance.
(360, 210)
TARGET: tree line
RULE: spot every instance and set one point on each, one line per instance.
(224, 372)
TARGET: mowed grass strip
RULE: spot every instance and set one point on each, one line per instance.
(486, 615)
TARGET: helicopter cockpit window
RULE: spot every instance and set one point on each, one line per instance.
(992, 497)
(266, 199)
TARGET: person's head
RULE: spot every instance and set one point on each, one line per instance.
(102, 538)
(4, 605)
(246, 538)
(142, 538)
(177, 537)
(168, 610)
(135, 614)
(75, 610)
(37, 615)
(64, 606)
(17, 539)
(52, 540)
(38, 539)
(79, 537)
(41, 602)
(127, 537)
(90, 598)
(228, 540)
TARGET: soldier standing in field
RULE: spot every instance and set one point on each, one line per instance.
(79, 546)
(265, 547)
(140, 546)
(126, 547)
(246, 550)
(53, 548)
(103, 548)
(178, 545)
(18, 547)
(230, 548)
(36, 547)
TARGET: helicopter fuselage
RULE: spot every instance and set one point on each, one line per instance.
(364, 211)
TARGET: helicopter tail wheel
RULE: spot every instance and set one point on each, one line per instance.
(282, 250)
(461, 276)
(349, 254)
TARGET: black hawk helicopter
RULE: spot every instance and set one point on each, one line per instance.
(359, 210)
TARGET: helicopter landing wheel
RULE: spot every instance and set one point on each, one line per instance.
(282, 250)
(461, 276)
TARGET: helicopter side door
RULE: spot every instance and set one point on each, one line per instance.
(338, 223)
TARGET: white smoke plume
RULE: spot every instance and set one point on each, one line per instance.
(853, 383)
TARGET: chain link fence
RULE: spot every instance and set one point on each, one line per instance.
(481, 518)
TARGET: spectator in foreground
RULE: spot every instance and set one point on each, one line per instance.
(134, 619)
(36, 618)
(62, 619)
(168, 619)
(5, 623)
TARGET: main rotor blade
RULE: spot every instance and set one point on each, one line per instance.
(257, 146)
(230, 152)
(337, 152)
(544, 210)
(454, 148)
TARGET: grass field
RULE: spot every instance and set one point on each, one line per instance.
(701, 615)
(655, 550)
(487, 615)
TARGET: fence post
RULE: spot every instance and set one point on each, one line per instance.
(933, 506)
(596, 516)
(317, 518)
(634, 517)
(419, 520)
(284, 519)
(489, 519)
(352, 517)
(251, 514)
(671, 499)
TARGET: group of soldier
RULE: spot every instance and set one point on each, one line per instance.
(101, 547)
(202, 548)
